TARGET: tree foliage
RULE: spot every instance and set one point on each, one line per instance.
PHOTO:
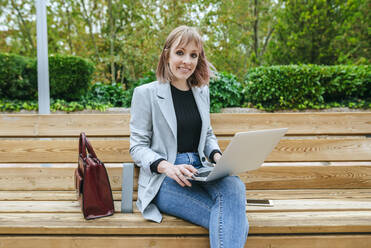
(322, 32)
(124, 37)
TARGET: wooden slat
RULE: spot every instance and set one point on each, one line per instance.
(286, 177)
(253, 241)
(313, 205)
(60, 151)
(34, 125)
(115, 151)
(311, 222)
(297, 194)
(106, 241)
(49, 195)
(47, 207)
(54, 125)
(48, 178)
(317, 241)
(286, 194)
(303, 205)
(133, 224)
(270, 176)
(297, 123)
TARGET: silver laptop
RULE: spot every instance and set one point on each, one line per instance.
(246, 152)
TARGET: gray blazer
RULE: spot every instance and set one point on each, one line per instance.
(153, 135)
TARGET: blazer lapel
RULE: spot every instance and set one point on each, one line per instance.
(165, 101)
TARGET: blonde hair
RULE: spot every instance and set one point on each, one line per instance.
(202, 73)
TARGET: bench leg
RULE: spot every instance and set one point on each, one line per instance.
(127, 188)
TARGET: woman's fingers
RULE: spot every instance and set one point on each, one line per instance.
(186, 170)
(184, 180)
(175, 174)
(179, 175)
(181, 172)
(176, 178)
(192, 169)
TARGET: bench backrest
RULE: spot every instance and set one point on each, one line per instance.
(320, 150)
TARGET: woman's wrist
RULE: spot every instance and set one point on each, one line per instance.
(163, 165)
(217, 156)
(212, 156)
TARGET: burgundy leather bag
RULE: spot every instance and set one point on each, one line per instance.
(92, 183)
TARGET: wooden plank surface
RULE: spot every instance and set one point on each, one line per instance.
(134, 224)
(223, 124)
(285, 194)
(115, 151)
(253, 241)
(35, 125)
(298, 205)
(304, 177)
(349, 175)
(297, 123)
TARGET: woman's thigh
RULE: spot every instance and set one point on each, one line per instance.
(229, 185)
(189, 203)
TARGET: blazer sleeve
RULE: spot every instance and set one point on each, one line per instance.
(211, 143)
(141, 129)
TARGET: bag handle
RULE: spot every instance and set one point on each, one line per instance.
(84, 145)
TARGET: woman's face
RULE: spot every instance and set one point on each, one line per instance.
(183, 60)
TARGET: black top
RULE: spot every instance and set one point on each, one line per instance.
(189, 123)
(188, 120)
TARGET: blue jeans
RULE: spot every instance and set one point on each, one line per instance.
(218, 205)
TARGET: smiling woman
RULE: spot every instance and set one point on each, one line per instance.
(184, 49)
(171, 138)
(183, 62)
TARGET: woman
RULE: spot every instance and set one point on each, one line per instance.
(171, 138)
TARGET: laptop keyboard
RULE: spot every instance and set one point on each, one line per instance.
(203, 174)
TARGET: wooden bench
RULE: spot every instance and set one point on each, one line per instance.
(319, 178)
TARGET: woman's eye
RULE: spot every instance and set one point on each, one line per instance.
(194, 55)
(179, 52)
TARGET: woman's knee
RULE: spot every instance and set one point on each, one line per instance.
(234, 185)
(231, 188)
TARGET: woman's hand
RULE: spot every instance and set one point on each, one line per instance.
(217, 156)
(178, 172)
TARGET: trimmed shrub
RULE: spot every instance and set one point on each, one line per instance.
(305, 86)
(115, 94)
(112, 94)
(225, 91)
(70, 77)
(344, 82)
(16, 77)
(55, 105)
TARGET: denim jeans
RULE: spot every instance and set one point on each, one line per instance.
(218, 206)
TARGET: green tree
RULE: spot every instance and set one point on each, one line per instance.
(19, 19)
(238, 33)
(321, 32)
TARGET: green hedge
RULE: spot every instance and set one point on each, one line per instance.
(347, 82)
(62, 105)
(115, 94)
(267, 88)
(307, 86)
(16, 79)
(225, 91)
(70, 77)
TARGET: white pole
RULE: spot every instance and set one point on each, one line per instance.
(42, 58)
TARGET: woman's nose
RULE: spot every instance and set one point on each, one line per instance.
(187, 60)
